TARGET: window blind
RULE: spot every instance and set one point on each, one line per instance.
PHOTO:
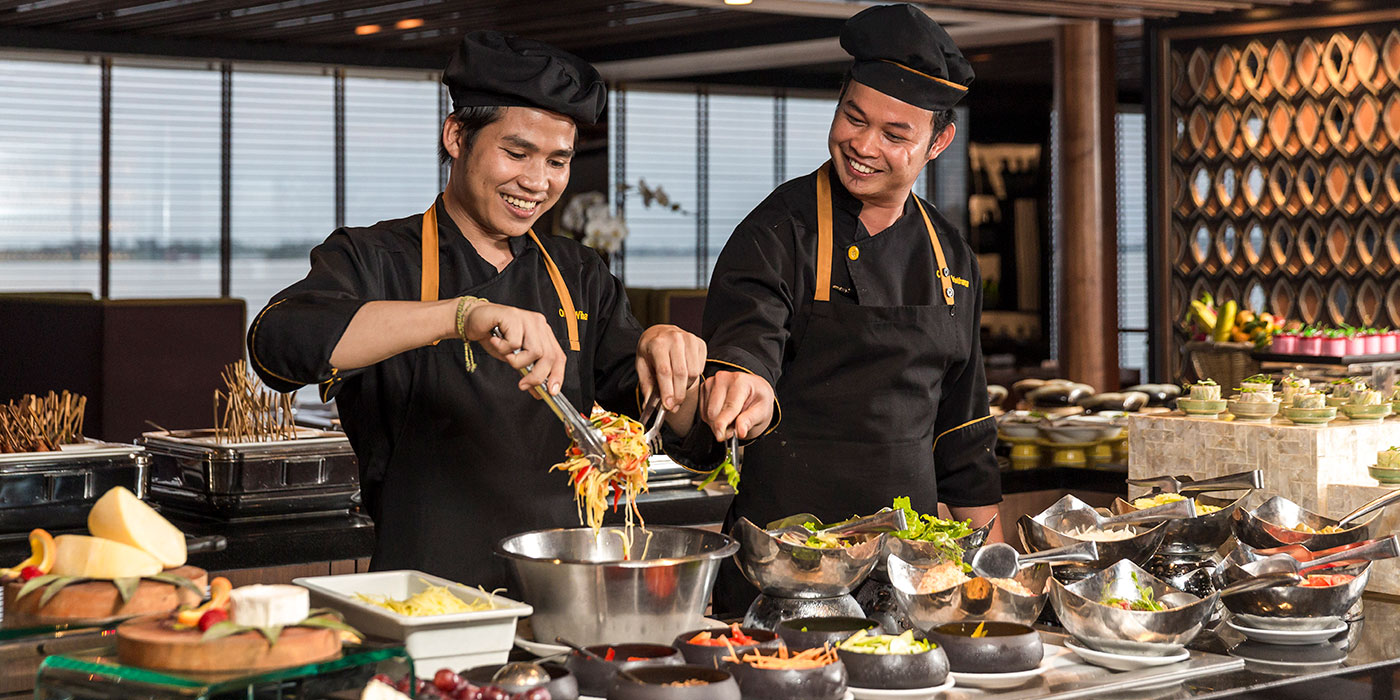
(1133, 310)
(741, 163)
(660, 150)
(391, 136)
(165, 182)
(50, 140)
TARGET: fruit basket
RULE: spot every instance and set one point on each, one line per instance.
(1227, 363)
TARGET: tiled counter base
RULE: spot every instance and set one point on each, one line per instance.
(1321, 468)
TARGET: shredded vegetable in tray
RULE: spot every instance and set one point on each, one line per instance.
(785, 660)
(433, 600)
(622, 477)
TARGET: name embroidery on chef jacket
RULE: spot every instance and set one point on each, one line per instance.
(583, 315)
(956, 280)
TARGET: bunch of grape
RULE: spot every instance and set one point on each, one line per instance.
(447, 685)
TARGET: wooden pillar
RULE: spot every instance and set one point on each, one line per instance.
(1086, 98)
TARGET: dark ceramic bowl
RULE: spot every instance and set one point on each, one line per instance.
(561, 686)
(719, 685)
(710, 657)
(595, 676)
(895, 671)
(822, 683)
(806, 633)
(1008, 647)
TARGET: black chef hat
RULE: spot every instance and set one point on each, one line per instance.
(903, 53)
(491, 69)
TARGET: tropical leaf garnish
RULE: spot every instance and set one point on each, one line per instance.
(221, 630)
(177, 581)
(320, 618)
(55, 587)
(329, 623)
(127, 587)
(34, 583)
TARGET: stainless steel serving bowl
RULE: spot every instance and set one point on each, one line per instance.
(919, 552)
(1290, 607)
(976, 599)
(1271, 525)
(583, 588)
(1115, 630)
(787, 570)
(1038, 534)
(1201, 534)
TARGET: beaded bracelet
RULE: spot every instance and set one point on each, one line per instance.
(464, 307)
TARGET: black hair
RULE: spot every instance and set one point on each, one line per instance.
(942, 118)
(472, 121)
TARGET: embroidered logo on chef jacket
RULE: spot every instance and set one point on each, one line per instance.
(583, 315)
(956, 280)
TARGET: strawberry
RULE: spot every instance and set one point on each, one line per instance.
(211, 618)
(30, 572)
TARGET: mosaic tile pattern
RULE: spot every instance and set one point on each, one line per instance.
(1344, 498)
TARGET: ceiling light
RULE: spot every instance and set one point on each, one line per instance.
(408, 23)
(737, 2)
(364, 29)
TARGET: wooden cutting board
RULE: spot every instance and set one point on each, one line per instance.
(154, 643)
(99, 600)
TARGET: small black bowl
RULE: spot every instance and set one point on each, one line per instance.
(711, 657)
(806, 633)
(719, 685)
(561, 686)
(595, 677)
(895, 671)
(822, 683)
(1008, 647)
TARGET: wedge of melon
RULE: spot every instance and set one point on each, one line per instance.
(94, 557)
(122, 517)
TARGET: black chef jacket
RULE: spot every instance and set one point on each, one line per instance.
(759, 316)
(450, 462)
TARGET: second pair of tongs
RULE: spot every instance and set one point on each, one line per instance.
(585, 435)
(1252, 479)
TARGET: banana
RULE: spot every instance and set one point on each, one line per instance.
(1225, 322)
(1205, 316)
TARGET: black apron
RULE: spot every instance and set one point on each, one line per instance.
(466, 473)
(860, 394)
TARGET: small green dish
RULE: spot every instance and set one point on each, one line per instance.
(1195, 407)
(1338, 401)
(1253, 411)
(1366, 413)
(1310, 416)
(1385, 476)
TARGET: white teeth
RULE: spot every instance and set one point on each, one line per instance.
(861, 168)
(525, 204)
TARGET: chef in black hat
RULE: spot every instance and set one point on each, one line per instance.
(394, 321)
(856, 305)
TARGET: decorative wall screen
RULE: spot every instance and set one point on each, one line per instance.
(1282, 182)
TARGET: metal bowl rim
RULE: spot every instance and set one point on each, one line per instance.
(731, 546)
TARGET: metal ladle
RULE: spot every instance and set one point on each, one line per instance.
(519, 676)
(584, 650)
(1178, 599)
(1001, 560)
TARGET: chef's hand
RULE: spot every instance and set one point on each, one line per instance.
(670, 360)
(527, 331)
(736, 401)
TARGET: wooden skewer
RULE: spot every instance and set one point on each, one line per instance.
(251, 412)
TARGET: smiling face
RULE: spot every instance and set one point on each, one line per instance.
(879, 144)
(516, 169)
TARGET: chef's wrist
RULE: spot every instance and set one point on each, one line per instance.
(464, 307)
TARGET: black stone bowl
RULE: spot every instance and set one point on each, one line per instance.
(561, 686)
(719, 685)
(822, 683)
(596, 676)
(701, 655)
(895, 671)
(1008, 647)
(806, 633)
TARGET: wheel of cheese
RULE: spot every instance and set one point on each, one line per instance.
(122, 517)
(99, 600)
(155, 644)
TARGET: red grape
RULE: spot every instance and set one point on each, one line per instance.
(491, 692)
(446, 680)
(467, 692)
(540, 693)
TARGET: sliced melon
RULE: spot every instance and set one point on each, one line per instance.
(120, 516)
(94, 557)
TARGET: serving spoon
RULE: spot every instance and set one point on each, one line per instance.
(519, 676)
(1001, 560)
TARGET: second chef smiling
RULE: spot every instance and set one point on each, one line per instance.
(860, 305)
(453, 455)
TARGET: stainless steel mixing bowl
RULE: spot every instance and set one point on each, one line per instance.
(1271, 525)
(1201, 534)
(1291, 607)
(976, 599)
(1115, 630)
(582, 589)
(787, 570)
(1037, 535)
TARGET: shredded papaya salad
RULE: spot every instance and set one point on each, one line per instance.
(622, 477)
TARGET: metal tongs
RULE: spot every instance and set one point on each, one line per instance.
(1373, 550)
(1252, 479)
(588, 438)
(1087, 518)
